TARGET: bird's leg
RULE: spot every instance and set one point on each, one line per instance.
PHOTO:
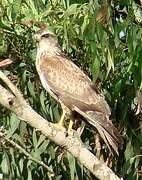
(61, 121)
(66, 114)
(60, 124)
(71, 118)
(70, 127)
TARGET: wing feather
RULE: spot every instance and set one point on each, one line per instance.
(104, 126)
(71, 84)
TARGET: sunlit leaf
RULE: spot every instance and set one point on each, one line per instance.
(21, 164)
(96, 68)
(31, 89)
(110, 62)
(137, 12)
(71, 161)
(84, 24)
(34, 138)
(40, 140)
(14, 124)
(129, 151)
(42, 101)
(71, 10)
(4, 164)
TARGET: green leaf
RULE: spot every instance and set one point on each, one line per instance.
(17, 138)
(36, 154)
(12, 156)
(40, 140)
(84, 24)
(15, 9)
(4, 164)
(71, 10)
(71, 161)
(21, 164)
(23, 128)
(31, 89)
(137, 12)
(39, 5)
(43, 146)
(95, 69)
(52, 152)
(29, 174)
(110, 62)
(117, 88)
(34, 138)
(42, 101)
(129, 153)
(56, 113)
(14, 124)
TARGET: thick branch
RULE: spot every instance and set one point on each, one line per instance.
(17, 104)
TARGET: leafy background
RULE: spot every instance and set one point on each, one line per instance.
(104, 38)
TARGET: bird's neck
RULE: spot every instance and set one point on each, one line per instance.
(48, 49)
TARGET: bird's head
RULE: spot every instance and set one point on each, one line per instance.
(46, 40)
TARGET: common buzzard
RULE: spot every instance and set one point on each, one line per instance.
(65, 82)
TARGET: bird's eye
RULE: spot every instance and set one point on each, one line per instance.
(46, 35)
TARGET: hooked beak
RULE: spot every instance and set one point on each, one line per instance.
(36, 38)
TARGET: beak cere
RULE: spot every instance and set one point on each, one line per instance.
(37, 37)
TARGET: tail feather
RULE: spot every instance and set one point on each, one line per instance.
(106, 129)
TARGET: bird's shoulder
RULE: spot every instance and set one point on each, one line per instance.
(60, 61)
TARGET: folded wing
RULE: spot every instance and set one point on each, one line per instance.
(76, 91)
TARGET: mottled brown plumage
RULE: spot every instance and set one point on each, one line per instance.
(70, 86)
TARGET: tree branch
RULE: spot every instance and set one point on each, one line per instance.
(24, 112)
(6, 62)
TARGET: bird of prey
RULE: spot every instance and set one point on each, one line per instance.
(65, 82)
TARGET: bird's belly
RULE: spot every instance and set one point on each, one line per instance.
(47, 87)
(40, 73)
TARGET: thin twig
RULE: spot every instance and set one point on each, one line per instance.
(6, 62)
(30, 157)
(15, 91)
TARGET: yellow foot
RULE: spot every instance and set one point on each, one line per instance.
(59, 125)
(70, 130)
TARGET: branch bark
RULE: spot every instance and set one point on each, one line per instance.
(16, 103)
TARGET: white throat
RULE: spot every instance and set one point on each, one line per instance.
(47, 48)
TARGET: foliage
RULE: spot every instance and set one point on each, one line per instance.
(104, 39)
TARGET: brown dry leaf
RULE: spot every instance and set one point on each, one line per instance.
(29, 22)
(102, 16)
(42, 25)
